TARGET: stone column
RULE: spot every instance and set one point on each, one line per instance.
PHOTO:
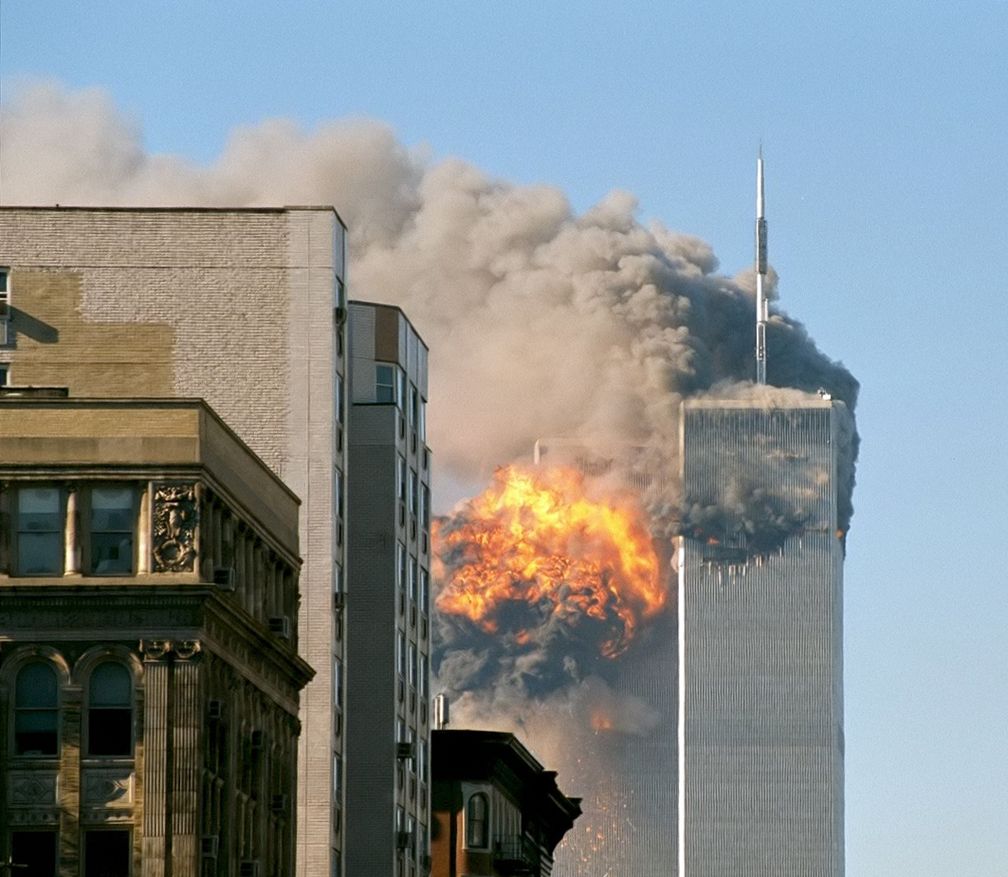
(187, 729)
(71, 538)
(144, 532)
(157, 712)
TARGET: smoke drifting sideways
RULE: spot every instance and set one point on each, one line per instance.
(540, 321)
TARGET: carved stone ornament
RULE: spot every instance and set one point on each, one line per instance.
(173, 527)
(30, 789)
(155, 649)
(108, 788)
(187, 648)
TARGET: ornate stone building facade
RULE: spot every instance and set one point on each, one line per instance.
(149, 676)
(497, 810)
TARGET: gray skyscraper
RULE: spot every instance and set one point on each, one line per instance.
(761, 638)
(388, 598)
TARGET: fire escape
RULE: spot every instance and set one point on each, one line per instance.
(516, 854)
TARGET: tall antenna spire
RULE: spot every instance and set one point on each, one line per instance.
(762, 312)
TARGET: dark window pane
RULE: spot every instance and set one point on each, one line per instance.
(35, 732)
(106, 854)
(110, 732)
(40, 554)
(33, 853)
(110, 686)
(112, 552)
(39, 508)
(35, 710)
(110, 714)
(112, 508)
(36, 686)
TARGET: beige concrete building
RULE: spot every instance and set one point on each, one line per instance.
(244, 308)
(149, 675)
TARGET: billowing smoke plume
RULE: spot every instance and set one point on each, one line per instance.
(541, 322)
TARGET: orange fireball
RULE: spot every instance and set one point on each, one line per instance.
(536, 537)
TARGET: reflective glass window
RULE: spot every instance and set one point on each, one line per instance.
(39, 531)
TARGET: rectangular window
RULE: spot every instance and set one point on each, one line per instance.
(106, 854)
(112, 523)
(338, 492)
(337, 777)
(4, 307)
(338, 398)
(337, 682)
(426, 507)
(413, 406)
(414, 491)
(39, 531)
(401, 395)
(424, 589)
(413, 578)
(422, 420)
(401, 653)
(3, 375)
(385, 383)
(33, 853)
(422, 673)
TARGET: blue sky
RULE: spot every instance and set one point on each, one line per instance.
(885, 134)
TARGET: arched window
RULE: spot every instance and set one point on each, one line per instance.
(477, 821)
(36, 710)
(110, 710)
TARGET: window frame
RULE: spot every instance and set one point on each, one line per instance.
(53, 833)
(17, 531)
(391, 386)
(18, 711)
(91, 831)
(482, 841)
(88, 531)
(90, 708)
(5, 307)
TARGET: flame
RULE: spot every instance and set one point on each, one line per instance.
(534, 537)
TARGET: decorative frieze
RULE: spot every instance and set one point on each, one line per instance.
(32, 788)
(108, 787)
(174, 522)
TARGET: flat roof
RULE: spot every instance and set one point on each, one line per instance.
(84, 208)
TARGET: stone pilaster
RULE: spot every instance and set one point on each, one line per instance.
(157, 713)
(70, 780)
(187, 760)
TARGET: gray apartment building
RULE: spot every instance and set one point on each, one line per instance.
(388, 598)
(760, 639)
(244, 308)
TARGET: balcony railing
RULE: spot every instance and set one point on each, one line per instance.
(515, 854)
